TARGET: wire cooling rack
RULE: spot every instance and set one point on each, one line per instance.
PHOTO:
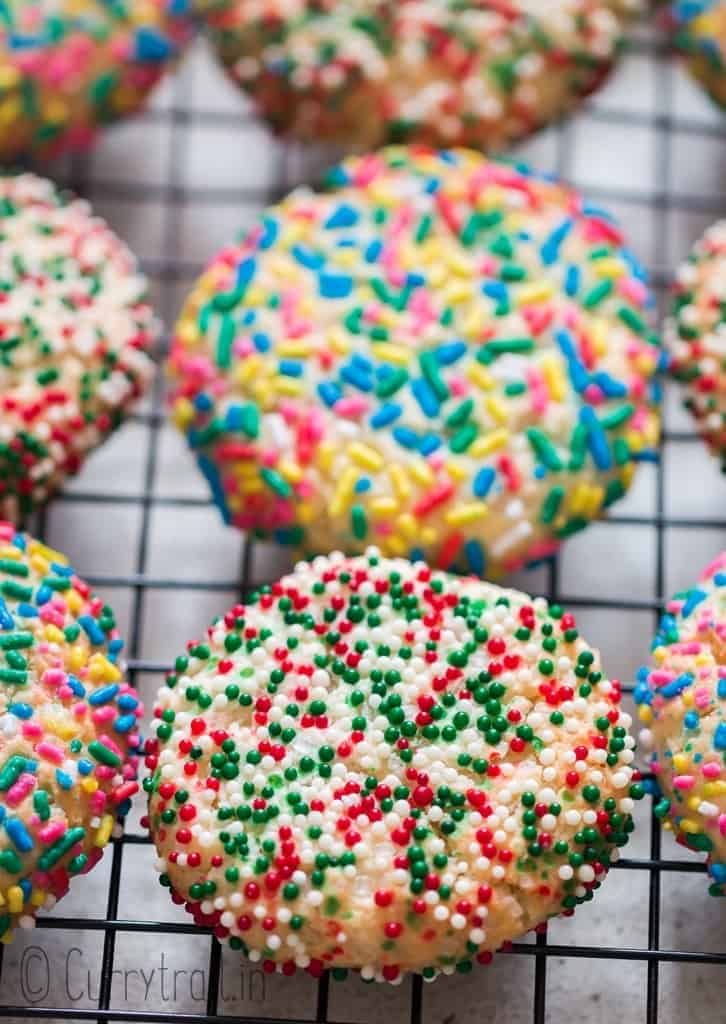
(177, 183)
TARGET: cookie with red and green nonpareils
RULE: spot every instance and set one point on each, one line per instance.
(75, 330)
(441, 72)
(69, 740)
(696, 336)
(444, 355)
(377, 766)
(682, 703)
(67, 67)
(698, 30)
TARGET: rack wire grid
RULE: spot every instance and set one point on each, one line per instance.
(176, 183)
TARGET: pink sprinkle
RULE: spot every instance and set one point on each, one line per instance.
(351, 408)
(98, 801)
(32, 729)
(104, 714)
(702, 697)
(712, 770)
(537, 391)
(722, 824)
(661, 676)
(54, 677)
(689, 648)
(458, 387)
(20, 789)
(634, 290)
(50, 752)
(684, 781)
(79, 710)
(718, 563)
(52, 831)
(593, 394)
(104, 771)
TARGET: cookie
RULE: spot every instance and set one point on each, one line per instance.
(75, 328)
(682, 702)
(70, 66)
(699, 32)
(442, 72)
(443, 355)
(69, 741)
(696, 336)
(372, 765)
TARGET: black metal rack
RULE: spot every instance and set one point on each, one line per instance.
(171, 270)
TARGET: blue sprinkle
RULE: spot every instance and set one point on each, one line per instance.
(356, 377)
(720, 579)
(27, 886)
(329, 392)
(290, 368)
(269, 236)
(695, 597)
(406, 437)
(27, 611)
(426, 397)
(92, 629)
(572, 280)
(642, 694)
(475, 557)
(429, 443)
(335, 286)
(79, 690)
(6, 619)
(566, 344)
(21, 710)
(721, 690)
(85, 767)
(690, 720)
(596, 439)
(104, 695)
(362, 362)
(124, 723)
(495, 290)
(127, 702)
(373, 251)
(717, 872)
(211, 473)
(448, 354)
(19, 541)
(245, 272)
(677, 685)
(43, 594)
(63, 779)
(248, 317)
(261, 342)
(719, 737)
(344, 216)
(362, 485)
(432, 186)
(385, 415)
(202, 402)
(152, 45)
(483, 481)
(551, 247)
(21, 838)
(609, 386)
(61, 570)
(414, 280)
(645, 455)
(3, 814)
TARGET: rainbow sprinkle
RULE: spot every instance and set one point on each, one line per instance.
(695, 336)
(377, 766)
(443, 355)
(68, 728)
(68, 67)
(75, 328)
(699, 32)
(443, 72)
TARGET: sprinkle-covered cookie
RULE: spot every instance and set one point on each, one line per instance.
(696, 336)
(682, 703)
(69, 66)
(443, 355)
(68, 728)
(443, 72)
(377, 766)
(699, 32)
(75, 327)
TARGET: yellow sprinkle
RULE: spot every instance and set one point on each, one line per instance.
(54, 635)
(579, 499)
(89, 785)
(429, 535)
(305, 513)
(554, 378)
(343, 491)
(459, 264)
(421, 472)
(325, 455)
(610, 268)
(715, 788)
(100, 669)
(687, 698)
(366, 456)
(10, 110)
(480, 377)
(694, 802)
(394, 546)
(681, 762)
(645, 714)
(338, 341)
(243, 469)
(74, 601)
(287, 386)
(251, 486)
(15, 899)
(10, 553)
(383, 507)
(537, 291)
(294, 349)
(599, 334)
(460, 515)
(249, 369)
(489, 443)
(9, 76)
(691, 826)
(438, 276)
(183, 413)
(399, 355)
(400, 481)
(37, 897)
(103, 833)
(456, 471)
(290, 471)
(473, 324)
(407, 524)
(496, 409)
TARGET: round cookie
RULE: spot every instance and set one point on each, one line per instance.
(696, 336)
(443, 355)
(443, 72)
(70, 66)
(75, 326)
(699, 28)
(376, 766)
(68, 728)
(682, 702)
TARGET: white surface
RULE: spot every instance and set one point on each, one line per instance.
(221, 164)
